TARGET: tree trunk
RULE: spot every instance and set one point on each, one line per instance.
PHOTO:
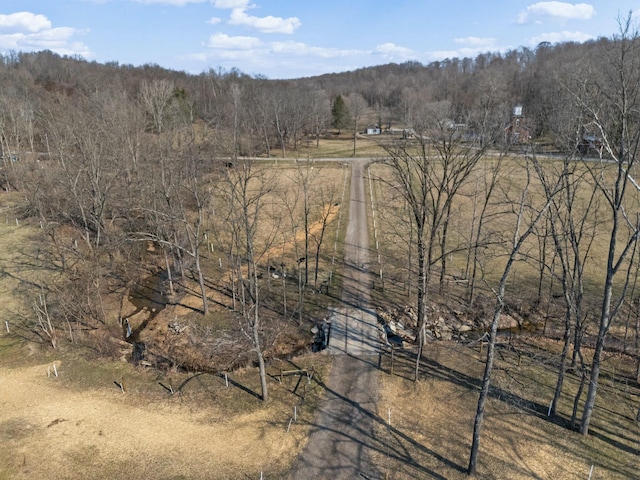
(563, 363)
(169, 275)
(542, 265)
(423, 272)
(261, 365)
(576, 400)
(300, 296)
(410, 262)
(443, 246)
(484, 390)
(470, 246)
(518, 240)
(638, 347)
(477, 235)
(355, 135)
(577, 344)
(593, 385)
(203, 288)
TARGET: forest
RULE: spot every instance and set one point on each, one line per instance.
(505, 186)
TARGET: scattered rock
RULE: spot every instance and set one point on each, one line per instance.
(508, 322)
(177, 328)
(441, 324)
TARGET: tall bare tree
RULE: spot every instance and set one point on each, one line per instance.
(428, 172)
(156, 96)
(610, 99)
(243, 204)
(357, 106)
(527, 215)
(573, 233)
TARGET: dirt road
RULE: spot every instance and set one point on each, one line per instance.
(342, 437)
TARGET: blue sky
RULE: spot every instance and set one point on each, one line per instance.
(296, 38)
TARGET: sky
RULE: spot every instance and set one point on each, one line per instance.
(281, 39)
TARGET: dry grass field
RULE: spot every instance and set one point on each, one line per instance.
(432, 420)
(393, 231)
(338, 146)
(80, 424)
(64, 416)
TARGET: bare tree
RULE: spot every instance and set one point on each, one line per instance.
(243, 199)
(156, 97)
(527, 216)
(319, 117)
(327, 196)
(279, 106)
(573, 234)
(428, 173)
(486, 183)
(357, 106)
(611, 101)
(304, 178)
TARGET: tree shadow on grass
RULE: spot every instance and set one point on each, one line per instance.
(360, 418)
(197, 375)
(435, 369)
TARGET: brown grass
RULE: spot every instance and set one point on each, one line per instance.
(432, 420)
(338, 146)
(80, 425)
(16, 253)
(394, 230)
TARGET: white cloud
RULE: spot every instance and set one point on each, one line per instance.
(225, 42)
(25, 31)
(470, 47)
(557, 37)
(391, 51)
(58, 40)
(24, 21)
(226, 4)
(477, 42)
(465, 52)
(177, 3)
(293, 48)
(558, 10)
(302, 49)
(274, 58)
(233, 57)
(214, 20)
(268, 24)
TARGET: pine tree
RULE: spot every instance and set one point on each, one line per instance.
(339, 114)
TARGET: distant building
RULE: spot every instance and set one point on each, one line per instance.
(517, 131)
(405, 132)
(590, 145)
(373, 130)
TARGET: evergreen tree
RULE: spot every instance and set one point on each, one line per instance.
(339, 114)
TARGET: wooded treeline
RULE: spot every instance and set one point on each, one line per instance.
(111, 159)
(262, 115)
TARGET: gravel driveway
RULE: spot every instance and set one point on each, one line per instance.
(341, 438)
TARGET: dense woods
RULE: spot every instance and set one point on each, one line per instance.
(134, 173)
